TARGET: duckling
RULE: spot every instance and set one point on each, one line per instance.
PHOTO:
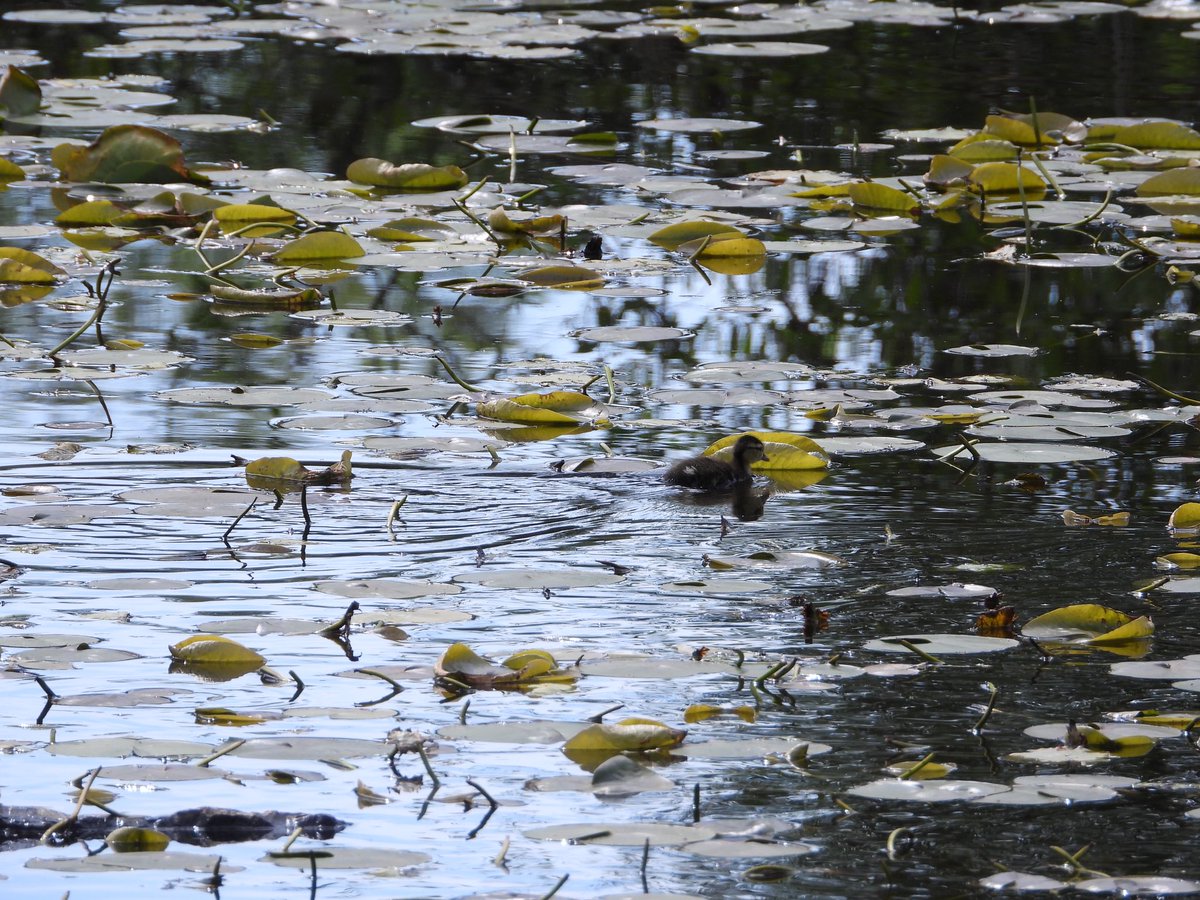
(704, 473)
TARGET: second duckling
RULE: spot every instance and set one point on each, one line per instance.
(705, 473)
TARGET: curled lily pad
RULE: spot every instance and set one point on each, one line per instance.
(1088, 623)
(719, 248)
(500, 220)
(260, 472)
(253, 219)
(627, 735)
(673, 236)
(563, 277)
(1185, 518)
(319, 246)
(785, 452)
(20, 93)
(214, 650)
(20, 266)
(408, 177)
(131, 839)
(555, 407)
(462, 664)
(875, 196)
(123, 154)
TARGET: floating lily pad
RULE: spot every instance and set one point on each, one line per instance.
(993, 350)
(725, 849)
(761, 49)
(941, 644)
(160, 773)
(147, 748)
(915, 790)
(344, 317)
(716, 586)
(749, 748)
(632, 334)
(534, 579)
(139, 584)
(1088, 623)
(1019, 882)
(189, 502)
(536, 732)
(955, 591)
(381, 858)
(244, 396)
(1171, 669)
(867, 445)
(1027, 453)
(166, 860)
(623, 834)
(653, 667)
(304, 747)
(54, 514)
(40, 640)
(1057, 731)
(699, 125)
(389, 589)
(1145, 885)
(618, 776)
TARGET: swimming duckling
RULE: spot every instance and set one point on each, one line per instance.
(705, 473)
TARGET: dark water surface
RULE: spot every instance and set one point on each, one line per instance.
(888, 310)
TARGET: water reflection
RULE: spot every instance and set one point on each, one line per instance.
(745, 501)
(897, 521)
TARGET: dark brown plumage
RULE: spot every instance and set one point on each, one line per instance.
(705, 473)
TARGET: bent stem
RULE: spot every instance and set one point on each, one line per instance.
(454, 376)
(100, 292)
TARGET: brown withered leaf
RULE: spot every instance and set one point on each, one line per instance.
(997, 622)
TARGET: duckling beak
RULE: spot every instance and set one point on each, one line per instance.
(764, 458)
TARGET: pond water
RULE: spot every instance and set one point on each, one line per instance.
(884, 343)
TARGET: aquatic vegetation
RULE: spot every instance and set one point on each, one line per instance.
(965, 350)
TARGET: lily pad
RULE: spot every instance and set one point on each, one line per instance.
(535, 579)
(623, 834)
(1027, 452)
(381, 858)
(916, 791)
(386, 588)
(940, 644)
(699, 125)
